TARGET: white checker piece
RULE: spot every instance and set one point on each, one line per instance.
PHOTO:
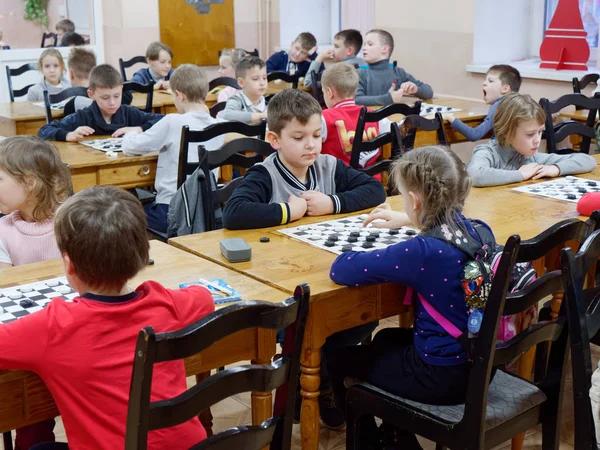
(350, 235)
(40, 293)
(569, 189)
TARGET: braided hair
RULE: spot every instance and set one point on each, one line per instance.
(440, 179)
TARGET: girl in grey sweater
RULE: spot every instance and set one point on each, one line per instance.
(52, 67)
(513, 156)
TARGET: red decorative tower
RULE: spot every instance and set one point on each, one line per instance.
(564, 45)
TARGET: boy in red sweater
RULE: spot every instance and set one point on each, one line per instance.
(84, 350)
(340, 83)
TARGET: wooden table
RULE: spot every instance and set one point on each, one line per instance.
(90, 167)
(24, 399)
(273, 88)
(284, 262)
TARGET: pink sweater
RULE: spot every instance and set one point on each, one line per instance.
(27, 242)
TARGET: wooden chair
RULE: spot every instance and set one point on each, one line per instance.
(147, 89)
(317, 88)
(285, 77)
(231, 153)
(579, 85)
(51, 99)
(49, 36)
(583, 313)
(494, 412)
(216, 109)
(10, 73)
(126, 64)
(144, 415)
(556, 133)
(223, 81)
(413, 123)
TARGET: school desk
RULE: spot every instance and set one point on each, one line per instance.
(91, 167)
(26, 118)
(273, 88)
(284, 262)
(24, 399)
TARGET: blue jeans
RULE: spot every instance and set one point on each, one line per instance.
(157, 216)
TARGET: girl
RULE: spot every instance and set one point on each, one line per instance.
(52, 67)
(33, 183)
(425, 363)
(513, 156)
(227, 61)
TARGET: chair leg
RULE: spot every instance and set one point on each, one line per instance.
(550, 432)
(439, 447)
(352, 429)
(8, 444)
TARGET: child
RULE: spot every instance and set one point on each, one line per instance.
(346, 45)
(513, 156)
(302, 52)
(158, 57)
(249, 105)
(339, 88)
(189, 89)
(297, 180)
(81, 63)
(85, 357)
(52, 67)
(425, 363)
(227, 62)
(63, 26)
(72, 39)
(499, 81)
(106, 116)
(33, 183)
(382, 84)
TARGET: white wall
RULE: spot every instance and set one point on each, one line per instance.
(309, 15)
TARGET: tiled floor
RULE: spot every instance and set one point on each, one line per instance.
(236, 411)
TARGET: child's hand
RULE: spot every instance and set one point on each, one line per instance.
(325, 54)
(256, 117)
(317, 203)
(310, 53)
(547, 171)
(529, 170)
(121, 131)
(396, 94)
(393, 219)
(409, 87)
(450, 117)
(79, 134)
(297, 207)
(161, 84)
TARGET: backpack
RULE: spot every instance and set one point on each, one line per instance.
(478, 274)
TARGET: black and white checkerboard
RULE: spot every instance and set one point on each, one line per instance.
(569, 188)
(105, 145)
(24, 299)
(342, 235)
(430, 108)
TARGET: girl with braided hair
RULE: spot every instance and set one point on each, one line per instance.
(425, 363)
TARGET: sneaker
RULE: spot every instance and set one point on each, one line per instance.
(331, 413)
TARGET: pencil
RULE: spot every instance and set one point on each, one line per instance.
(215, 286)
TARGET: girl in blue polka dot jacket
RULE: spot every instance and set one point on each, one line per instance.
(425, 363)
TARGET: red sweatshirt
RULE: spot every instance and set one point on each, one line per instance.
(84, 353)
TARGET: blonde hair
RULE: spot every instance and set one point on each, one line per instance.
(235, 54)
(191, 81)
(36, 165)
(513, 109)
(342, 78)
(81, 62)
(440, 179)
(385, 38)
(153, 50)
(103, 230)
(51, 52)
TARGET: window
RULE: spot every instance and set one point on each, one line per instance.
(590, 15)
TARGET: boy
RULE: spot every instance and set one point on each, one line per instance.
(346, 45)
(81, 63)
(499, 81)
(189, 89)
(302, 52)
(63, 26)
(86, 357)
(106, 116)
(249, 105)
(340, 83)
(381, 84)
(296, 180)
(158, 57)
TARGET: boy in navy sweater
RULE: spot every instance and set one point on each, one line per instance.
(106, 116)
(159, 57)
(302, 52)
(297, 180)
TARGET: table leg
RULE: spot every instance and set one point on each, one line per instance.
(310, 381)
(206, 417)
(524, 370)
(262, 402)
